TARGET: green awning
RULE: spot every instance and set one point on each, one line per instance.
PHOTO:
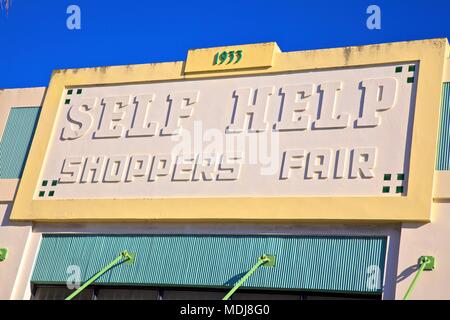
(319, 263)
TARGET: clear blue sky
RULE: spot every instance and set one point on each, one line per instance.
(34, 38)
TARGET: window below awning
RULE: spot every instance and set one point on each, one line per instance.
(106, 292)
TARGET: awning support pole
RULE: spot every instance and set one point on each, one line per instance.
(261, 261)
(124, 256)
(426, 263)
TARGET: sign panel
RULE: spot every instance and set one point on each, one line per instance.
(241, 133)
(341, 132)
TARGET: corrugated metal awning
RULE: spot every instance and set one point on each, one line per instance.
(335, 264)
(443, 156)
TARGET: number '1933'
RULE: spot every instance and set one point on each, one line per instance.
(227, 57)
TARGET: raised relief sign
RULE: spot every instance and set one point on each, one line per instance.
(338, 132)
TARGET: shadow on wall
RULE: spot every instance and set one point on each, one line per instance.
(407, 272)
(4, 222)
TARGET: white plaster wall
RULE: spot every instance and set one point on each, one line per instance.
(16, 239)
(429, 239)
(447, 71)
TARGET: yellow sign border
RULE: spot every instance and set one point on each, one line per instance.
(415, 206)
(253, 56)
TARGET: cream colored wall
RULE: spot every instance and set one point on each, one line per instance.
(429, 239)
(447, 73)
(8, 188)
(22, 246)
(16, 237)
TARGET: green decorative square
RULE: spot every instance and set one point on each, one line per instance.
(79, 91)
(67, 101)
(387, 177)
(41, 193)
(412, 68)
(272, 261)
(398, 69)
(386, 189)
(3, 254)
(410, 80)
(69, 91)
(430, 262)
(399, 189)
(54, 183)
(401, 176)
(51, 193)
(44, 183)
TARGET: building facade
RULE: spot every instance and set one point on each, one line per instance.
(333, 164)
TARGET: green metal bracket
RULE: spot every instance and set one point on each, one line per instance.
(265, 260)
(129, 257)
(125, 256)
(271, 262)
(3, 254)
(427, 263)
